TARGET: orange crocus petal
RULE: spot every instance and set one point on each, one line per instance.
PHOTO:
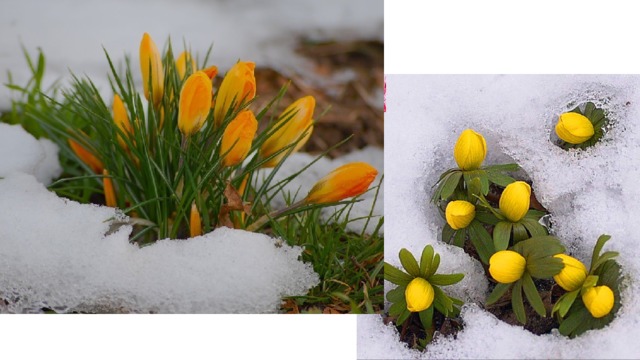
(109, 192)
(151, 67)
(121, 119)
(211, 71)
(195, 103)
(195, 223)
(296, 121)
(87, 157)
(344, 182)
(237, 87)
(181, 64)
(237, 138)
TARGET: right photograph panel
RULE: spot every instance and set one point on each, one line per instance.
(510, 209)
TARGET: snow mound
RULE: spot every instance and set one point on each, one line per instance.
(587, 192)
(21, 152)
(54, 253)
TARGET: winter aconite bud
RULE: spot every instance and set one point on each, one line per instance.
(419, 295)
(572, 275)
(506, 266)
(574, 128)
(459, 214)
(598, 300)
(514, 201)
(344, 182)
(470, 150)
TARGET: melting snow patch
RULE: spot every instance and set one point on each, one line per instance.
(21, 152)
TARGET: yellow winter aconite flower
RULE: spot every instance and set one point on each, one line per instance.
(598, 300)
(109, 192)
(572, 275)
(514, 201)
(296, 121)
(459, 214)
(195, 103)
(195, 223)
(574, 128)
(237, 138)
(152, 71)
(506, 266)
(181, 64)
(238, 86)
(344, 182)
(86, 156)
(121, 119)
(470, 150)
(419, 295)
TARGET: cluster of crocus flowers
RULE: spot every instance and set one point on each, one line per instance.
(507, 266)
(346, 181)
(515, 201)
(470, 150)
(459, 214)
(574, 128)
(419, 295)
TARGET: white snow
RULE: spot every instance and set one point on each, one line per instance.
(72, 35)
(587, 192)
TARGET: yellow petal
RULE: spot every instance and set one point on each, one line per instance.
(86, 156)
(470, 150)
(506, 266)
(419, 295)
(181, 64)
(344, 182)
(109, 192)
(295, 123)
(598, 300)
(459, 214)
(514, 201)
(121, 119)
(152, 71)
(574, 128)
(237, 138)
(572, 276)
(195, 103)
(195, 223)
(237, 87)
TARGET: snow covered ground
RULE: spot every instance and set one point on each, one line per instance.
(72, 34)
(587, 192)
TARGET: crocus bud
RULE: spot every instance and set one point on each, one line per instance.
(152, 72)
(598, 300)
(211, 71)
(295, 123)
(506, 266)
(181, 64)
(459, 214)
(87, 157)
(195, 103)
(109, 192)
(470, 150)
(419, 295)
(514, 201)
(121, 119)
(238, 86)
(574, 128)
(195, 223)
(346, 181)
(572, 275)
(237, 138)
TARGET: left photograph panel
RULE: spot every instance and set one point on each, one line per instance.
(201, 157)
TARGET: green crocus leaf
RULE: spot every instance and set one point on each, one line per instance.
(482, 241)
(426, 317)
(517, 304)
(459, 238)
(396, 295)
(497, 293)
(447, 233)
(409, 262)
(533, 227)
(532, 295)
(596, 250)
(425, 260)
(396, 276)
(445, 279)
(434, 265)
(499, 179)
(404, 315)
(449, 184)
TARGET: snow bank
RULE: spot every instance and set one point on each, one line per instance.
(588, 193)
(73, 37)
(21, 152)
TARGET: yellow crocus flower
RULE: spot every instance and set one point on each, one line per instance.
(295, 123)
(109, 192)
(181, 64)
(195, 103)
(86, 156)
(419, 295)
(195, 223)
(121, 119)
(470, 150)
(598, 300)
(574, 128)
(506, 266)
(237, 87)
(460, 214)
(152, 71)
(572, 275)
(514, 201)
(344, 182)
(237, 138)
